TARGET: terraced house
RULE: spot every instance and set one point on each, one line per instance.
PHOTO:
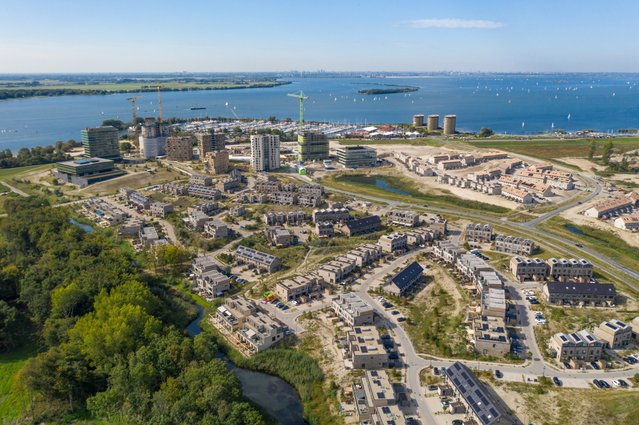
(258, 259)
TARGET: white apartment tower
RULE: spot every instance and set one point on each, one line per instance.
(265, 152)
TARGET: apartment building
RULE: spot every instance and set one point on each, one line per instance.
(265, 152)
(309, 200)
(447, 251)
(131, 226)
(203, 264)
(203, 192)
(200, 180)
(488, 279)
(471, 266)
(324, 229)
(174, 189)
(395, 242)
(336, 270)
(514, 245)
(482, 233)
(365, 254)
(576, 347)
(148, 236)
(614, 333)
(365, 348)
(362, 226)
(279, 236)
(563, 269)
(353, 310)
(212, 283)
(258, 259)
(629, 222)
(493, 302)
(161, 209)
(259, 332)
(216, 229)
(232, 314)
(179, 148)
(196, 219)
(516, 195)
(376, 400)
(403, 218)
(404, 281)
(105, 210)
(217, 162)
(298, 287)
(528, 268)
(331, 215)
(278, 218)
(490, 336)
(438, 225)
(207, 207)
(570, 293)
(468, 389)
(228, 185)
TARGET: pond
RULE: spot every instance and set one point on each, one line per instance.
(384, 184)
(276, 396)
(379, 182)
(573, 229)
(85, 227)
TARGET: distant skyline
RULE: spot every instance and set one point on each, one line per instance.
(66, 36)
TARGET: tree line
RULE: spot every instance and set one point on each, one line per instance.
(38, 154)
(113, 345)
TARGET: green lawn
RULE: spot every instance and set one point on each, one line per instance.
(549, 149)
(13, 398)
(405, 190)
(420, 141)
(7, 174)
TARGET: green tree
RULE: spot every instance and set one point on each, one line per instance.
(8, 318)
(593, 149)
(486, 132)
(126, 147)
(606, 152)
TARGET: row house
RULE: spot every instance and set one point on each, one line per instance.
(365, 254)
(161, 209)
(447, 251)
(336, 270)
(516, 195)
(299, 287)
(479, 233)
(615, 334)
(579, 294)
(279, 236)
(403, 218)
(353, 310)
(490, 337)
(576, 347)
(514, 245)
(569, 269)
(324, 229)
(216, 229)
(528, 268)
(212, 283)
(333, 215)
(395, 242)
(258, 259)
(203, 192)
(292, 218)
(362, 226)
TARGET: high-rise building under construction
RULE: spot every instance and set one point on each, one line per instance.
(313, 146)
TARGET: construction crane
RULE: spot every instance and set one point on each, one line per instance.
(302, 98)
(159, 101)
(132, 99)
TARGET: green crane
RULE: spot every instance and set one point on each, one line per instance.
(302, 98)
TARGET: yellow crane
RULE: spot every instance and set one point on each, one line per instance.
(302, 98)
(132, 99)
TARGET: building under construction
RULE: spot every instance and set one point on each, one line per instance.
(153, 138)
(313, 146)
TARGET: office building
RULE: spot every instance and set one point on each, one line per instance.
(313, 146)
(265, 152)
(153, 138)
(356, 156)
(101, 142)
(83, 172)
(450, 122)
(179, 148)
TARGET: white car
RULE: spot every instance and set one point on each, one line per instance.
(615, 383)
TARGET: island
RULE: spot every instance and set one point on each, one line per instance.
(389, 89)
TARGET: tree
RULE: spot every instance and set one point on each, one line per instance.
(606, 152)
(8, 317)
(486, 132)
(593, 149)
(126, 147)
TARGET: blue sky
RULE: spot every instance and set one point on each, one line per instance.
(374, 35)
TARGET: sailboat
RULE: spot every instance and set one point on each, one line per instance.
(568, 116)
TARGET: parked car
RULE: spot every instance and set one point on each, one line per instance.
(557, 381)
(394, 312)
(597, 383)
(594, 365)
(567, 365)
(401, 319)
(604, 383)
(622, 383)
(498, 374)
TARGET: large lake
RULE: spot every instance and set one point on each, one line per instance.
(510, 103)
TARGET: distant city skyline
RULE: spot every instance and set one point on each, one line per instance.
(38, 36)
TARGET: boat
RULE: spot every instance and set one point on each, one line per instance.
(197, 108)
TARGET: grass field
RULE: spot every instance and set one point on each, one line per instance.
(604, 242)
(551, 149)
(551, 405)
(404, 190)
(421, 141)
(7, 174)
(13, 400)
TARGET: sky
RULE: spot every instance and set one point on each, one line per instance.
(42, 36)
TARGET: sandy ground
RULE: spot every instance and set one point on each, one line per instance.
(579, 219)
(583, 163)
(436, 274)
